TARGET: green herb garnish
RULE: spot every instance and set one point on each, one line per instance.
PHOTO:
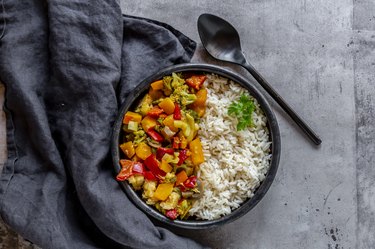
(243, 110)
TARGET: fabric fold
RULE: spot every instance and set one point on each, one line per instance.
(67, 66)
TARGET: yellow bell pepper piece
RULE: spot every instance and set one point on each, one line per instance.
(169, 121)
(165, 166)
(196, 150)
(128, 149)
(163, 191)
(143, 151)
(148, 122)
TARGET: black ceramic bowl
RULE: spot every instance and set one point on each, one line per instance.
(260, 191)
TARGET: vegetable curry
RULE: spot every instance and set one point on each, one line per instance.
(162, 151)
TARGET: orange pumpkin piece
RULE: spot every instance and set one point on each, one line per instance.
(157, 85)
(199, 105)
(201, 97)
(181, 177)
(167, 105)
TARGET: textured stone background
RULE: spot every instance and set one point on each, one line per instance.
(320, 56)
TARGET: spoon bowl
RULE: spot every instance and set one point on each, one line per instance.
(222, 41)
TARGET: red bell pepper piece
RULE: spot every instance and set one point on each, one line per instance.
(155, 135)
(191, 182)
(149, 176)
(155, 112)
(129, 168)
(182, 188)
(126, 170)
(182, 156)
(153, 165)
(196, 81)
(160, 152)
(171, 214)
(177, 112)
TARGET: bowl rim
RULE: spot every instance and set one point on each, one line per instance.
(260, 192)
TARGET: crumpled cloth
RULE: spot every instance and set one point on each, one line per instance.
(67, 66)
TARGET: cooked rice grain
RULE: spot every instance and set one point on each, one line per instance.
(235, 161)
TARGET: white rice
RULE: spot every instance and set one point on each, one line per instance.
(235, 161)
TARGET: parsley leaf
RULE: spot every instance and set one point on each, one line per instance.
(243, 110)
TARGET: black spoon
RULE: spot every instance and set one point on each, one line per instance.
(222, 41)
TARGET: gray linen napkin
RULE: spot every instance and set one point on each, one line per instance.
(67, 65)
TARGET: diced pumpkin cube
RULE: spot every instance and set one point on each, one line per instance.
(166, 167)
(143, 151)
(201, 98)
(148, 122)
(163, 191)
(131, 116)
(199, 105)
(169, 121)
(157, 85)
(128, 149)
(167, 105)
(181, 177)
(196, 150)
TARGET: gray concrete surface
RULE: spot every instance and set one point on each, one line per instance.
(320, 56)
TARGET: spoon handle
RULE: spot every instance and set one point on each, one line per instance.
(308, 131)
